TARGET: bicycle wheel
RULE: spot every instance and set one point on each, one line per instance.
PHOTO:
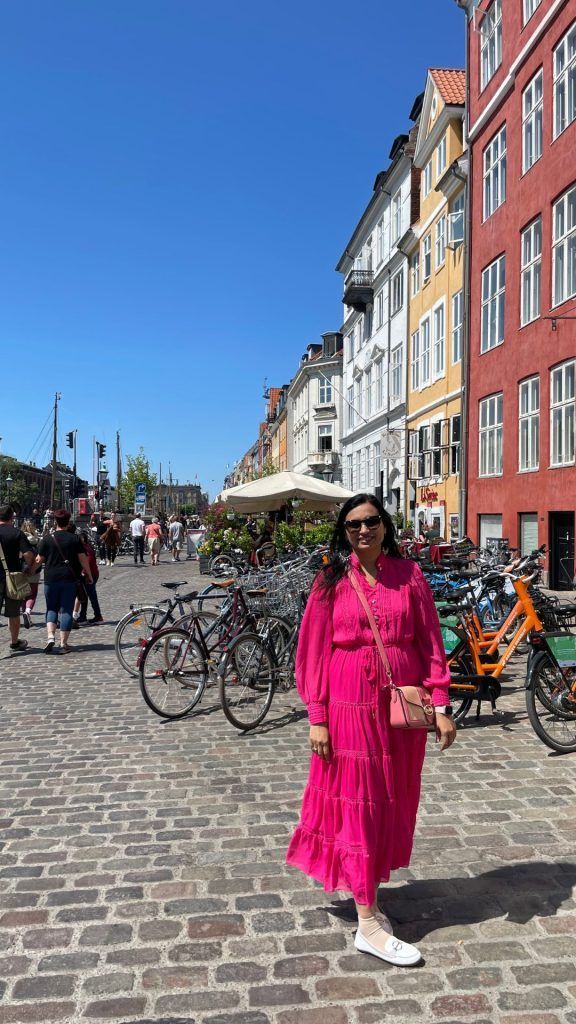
(546, 700)
(461, 703)
(223, 565)
(247, 681)
(277, 632)
(173, 673)
(137, 625)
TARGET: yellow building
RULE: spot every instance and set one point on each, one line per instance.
(435, 249)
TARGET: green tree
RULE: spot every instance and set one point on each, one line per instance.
(21, 494)
(137, 472)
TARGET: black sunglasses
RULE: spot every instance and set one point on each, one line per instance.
(353, 525)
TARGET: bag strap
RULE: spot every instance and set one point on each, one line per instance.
(65, 560)
(381, 651)
(3, 560)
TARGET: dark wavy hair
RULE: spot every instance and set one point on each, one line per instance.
(340, 548)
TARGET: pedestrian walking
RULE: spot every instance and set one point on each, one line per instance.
(64, 561)
(154, 537)
(137, 532)
(97, 523)
(88, 590)
(359, 808)
(175, 537)
(30, 530)
(14, 546)
(111, 539)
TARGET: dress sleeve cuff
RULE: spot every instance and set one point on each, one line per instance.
(318, 713)
(439, 696)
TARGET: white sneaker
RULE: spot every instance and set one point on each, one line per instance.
(102, 561)
(401, 954)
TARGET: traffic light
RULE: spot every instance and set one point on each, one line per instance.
(70, 439)
(101, 449)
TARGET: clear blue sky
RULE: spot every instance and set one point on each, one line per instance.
(178, 181)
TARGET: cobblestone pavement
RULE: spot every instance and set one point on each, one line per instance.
(142, 875)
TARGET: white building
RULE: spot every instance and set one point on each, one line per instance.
(315, 411)
(375, 331)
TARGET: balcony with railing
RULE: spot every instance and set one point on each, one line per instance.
(322, 459)
(359, 290)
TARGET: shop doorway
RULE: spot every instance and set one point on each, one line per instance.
(561, 550)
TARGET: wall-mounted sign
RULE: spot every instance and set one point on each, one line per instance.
(426, 494)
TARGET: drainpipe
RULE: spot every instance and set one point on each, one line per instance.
(464, 430)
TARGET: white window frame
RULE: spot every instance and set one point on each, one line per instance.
(532, 121)
(427, 257)
(457, 347)
(415, 272)
(490, 43)
(425, 350)
(563, 246)
(379, 307)
(397, 215)
(379, 382)
(491, 435)
(350, 403)
(349, 472)
(439, 346)
(377, 460)
(494, 173)
(493, 305)
(456, 224)
(562, 414)
(325, 430)
(441, 156)
(359, 411)
(396, 374)
(427, 179)
(440, 241)
(529, 425)
(350, 345)
(530, 8)
(368, 390)
(564, 69)
(380, 242)
(397, 292)
(455, 445)
(531, 271)
(415, 361)
(325, 391)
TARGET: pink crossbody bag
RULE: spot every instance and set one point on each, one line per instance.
(410, 706)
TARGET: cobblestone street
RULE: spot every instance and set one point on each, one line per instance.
(142, 873)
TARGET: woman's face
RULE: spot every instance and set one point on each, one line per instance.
(366, 540)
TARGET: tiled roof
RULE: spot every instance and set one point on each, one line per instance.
(451, 84)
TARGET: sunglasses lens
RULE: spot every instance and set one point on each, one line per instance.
(353, 525)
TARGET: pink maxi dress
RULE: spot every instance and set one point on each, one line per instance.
(359, 808)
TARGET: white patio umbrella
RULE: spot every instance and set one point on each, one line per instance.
(272, 492)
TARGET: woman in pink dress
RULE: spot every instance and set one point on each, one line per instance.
(360, 804)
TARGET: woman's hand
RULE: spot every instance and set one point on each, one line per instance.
(320, 741)
(445, 730)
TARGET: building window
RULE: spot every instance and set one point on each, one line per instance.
(455, 444)
(456, 222)
(396, 375)
(427, 257)
(380, 241)
(457, 326)
(531, 271)
(491, 435)
(368, 377)
(439, 340)
(532, 109)
(564, 249)
(350, 345)
(493, 302)
(441, 157)
(562, 414)
(495, 173)
(416, 273)
(396, 216)
(491, 42)
(351, 417)
(378, 376)
(424, 453)
(370, 464)
(357, 480)
(325, 391)
(427, 180)
(425, 352)
(380, 308)
(325, 438)
(529, 424)
(377, 463)
(530, 6)
(436, 445)
(565, 82)
(358, 398)
(397, 292)
(367, 324)
(415, 361)
(441, 241)
(349, 473)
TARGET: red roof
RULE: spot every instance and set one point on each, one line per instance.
(451, 84)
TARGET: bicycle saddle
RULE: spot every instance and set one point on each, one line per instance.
(223, 584)
(174, 586)
(257, 593)
(565, 609)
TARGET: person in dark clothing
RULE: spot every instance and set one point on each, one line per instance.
(15, 546)
(89, 589)
(65, 561)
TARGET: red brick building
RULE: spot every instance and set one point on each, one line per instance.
(521, 476)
